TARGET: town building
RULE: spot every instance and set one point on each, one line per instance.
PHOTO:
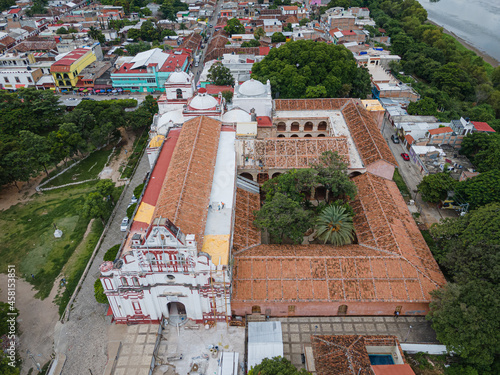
(65, 71)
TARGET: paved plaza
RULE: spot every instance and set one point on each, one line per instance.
(297, 331)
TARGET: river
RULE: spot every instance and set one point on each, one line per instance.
(475, 21)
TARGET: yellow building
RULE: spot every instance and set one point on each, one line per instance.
(66, 70)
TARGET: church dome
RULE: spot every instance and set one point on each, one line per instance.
(179, 77)
(252, 88)
(236, 115)
(203, 101)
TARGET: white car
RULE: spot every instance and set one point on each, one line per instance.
(134, 200)
(124, 224)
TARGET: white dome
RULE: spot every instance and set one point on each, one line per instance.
(236, 115)
(203, 101)
(178, 77)
(252, 88)
(168, 119)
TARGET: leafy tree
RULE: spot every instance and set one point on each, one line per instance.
(275, 366)
(303, 21)
(297, 65)
(62, 30)
(283, 218)
(332, 174)
(95, 206)
(288, 27)
(169, 8)
(435, 187)
(138, 190)
(424, 107)
(219, 75)
(96, 34)
(278, 38)
(234, 26)
(251, 43)
(99, 292)
(259, 33)
(318, 91)
(110, 255)
(465, 318)
(150, 104)
(480, 190)
(106, 188)
(476, 142)
(334, 225)
(37, 150)
(227, 95)
(295, 184)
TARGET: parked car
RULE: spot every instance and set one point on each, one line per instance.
(395, 138)
(87, 98)
(124, 224)
(405, 156)
(134, 200)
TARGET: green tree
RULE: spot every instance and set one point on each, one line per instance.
(37, 150)
(110, 255)
(465, 318)
(316, 92)
(234, 26)
(278, 38)
(138, 190)
(424, 107)
(96, 34)
(480, 190)
(219, 75)
(95, 206)
(99, 292)
(283, 218)
(276, 366)
(297, 65)
(251, 43)
(106, 188)
(334, 225)
(61, 30)
(227, 95)
(303, 21)
(435, 187)
(288, 27)
(169, 8)
(332, 173)
(295, 184)
(259, 33)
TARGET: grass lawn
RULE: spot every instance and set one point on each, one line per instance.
(27, 237)
(87, 169)
(401, 184)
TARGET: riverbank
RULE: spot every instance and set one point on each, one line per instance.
(487, 58)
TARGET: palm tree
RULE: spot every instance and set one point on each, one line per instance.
(334, 225)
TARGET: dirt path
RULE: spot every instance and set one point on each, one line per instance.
(37, 320)
(112, 171)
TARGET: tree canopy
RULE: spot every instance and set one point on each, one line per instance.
(169, 8)
(234, 26)
(435, 187)
(424, 107)
(219, 75)
(296, 66)
(480, 190)
(334, 225)
(276, 366)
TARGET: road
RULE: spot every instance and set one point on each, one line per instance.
(412, 177)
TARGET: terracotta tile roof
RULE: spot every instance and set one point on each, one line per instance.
(185, 194)
(309, 104)
(409, 139)
(7, 41)
(370, 143)
(245, 233)
(292, 19)
(347, 354)
(391, 262)
(192, 41)
(483, 127)
(444, 129)
(291, 153)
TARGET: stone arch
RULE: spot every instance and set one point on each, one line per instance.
(321, 135)
(247, 176)
(320, 193)
(294, 136)
(295, 127)
(322, 125)
(281, 136)
(307, 136)
(276, 174)
(354, 174)
(178, 92)
(308, 126)
(262, 177)
(281, 126)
